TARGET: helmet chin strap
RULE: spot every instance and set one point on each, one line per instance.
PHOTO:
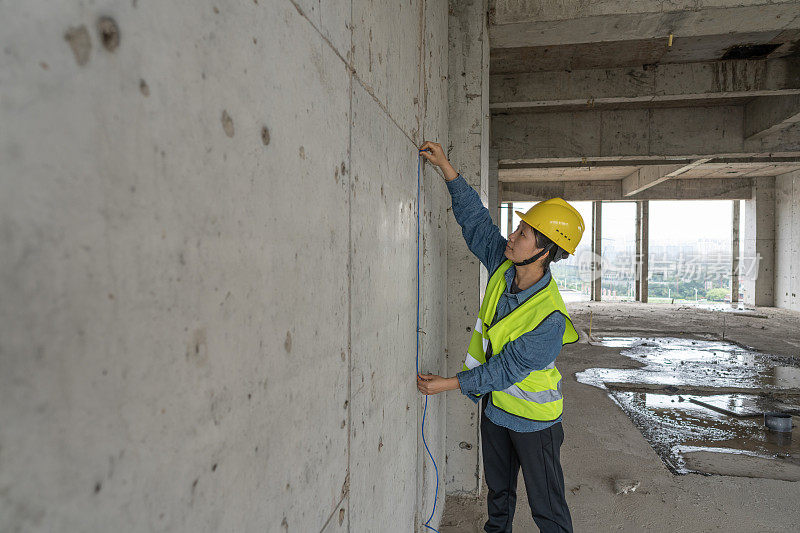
(535, 257)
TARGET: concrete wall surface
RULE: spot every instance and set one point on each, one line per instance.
(758, 256)
(208, 218)
(787, 241)
(468, 150)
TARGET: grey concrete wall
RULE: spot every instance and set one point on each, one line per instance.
(208, 267)
(759, 244)
(468, 151)
(787, 241)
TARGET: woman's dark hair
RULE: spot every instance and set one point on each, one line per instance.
(555, 254)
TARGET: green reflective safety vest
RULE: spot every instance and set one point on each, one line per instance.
(538, 396)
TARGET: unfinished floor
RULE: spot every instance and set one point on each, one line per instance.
(603, 445)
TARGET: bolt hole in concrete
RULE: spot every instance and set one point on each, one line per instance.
(80, 43)
(227, 124)
(109, 33)
(701, 404)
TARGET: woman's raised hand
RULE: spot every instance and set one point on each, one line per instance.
(434, 153)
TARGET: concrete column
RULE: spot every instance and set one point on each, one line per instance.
(757, 262)
(637, 257)
(735, 253)
(642, 249)
(787, 241)
(494, 189)
(597, 250)
(468, 76)
(510, 215)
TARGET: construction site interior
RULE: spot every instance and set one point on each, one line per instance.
(221, 258)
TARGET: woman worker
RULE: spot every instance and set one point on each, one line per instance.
(510, 362)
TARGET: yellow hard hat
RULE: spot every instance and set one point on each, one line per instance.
(558, 220)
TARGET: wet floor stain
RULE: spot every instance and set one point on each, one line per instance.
(696, 364)
(674, 425)
(700, 404)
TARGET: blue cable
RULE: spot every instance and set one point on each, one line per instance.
(425, 410)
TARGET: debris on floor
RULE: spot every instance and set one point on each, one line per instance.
(624, 486)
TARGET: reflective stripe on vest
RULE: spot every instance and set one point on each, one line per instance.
(544, 396)
(538, 396)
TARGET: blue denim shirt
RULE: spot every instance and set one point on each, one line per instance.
(531, 351)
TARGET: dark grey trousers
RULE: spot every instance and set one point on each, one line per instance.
(538, 453)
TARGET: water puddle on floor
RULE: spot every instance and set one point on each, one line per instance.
(701, 403)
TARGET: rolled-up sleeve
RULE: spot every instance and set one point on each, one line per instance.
(534, 350)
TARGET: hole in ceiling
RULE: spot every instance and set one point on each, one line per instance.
(749, 51)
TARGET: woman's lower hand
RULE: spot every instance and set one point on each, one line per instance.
(432, 384)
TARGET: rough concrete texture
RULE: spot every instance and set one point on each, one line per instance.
(686, 82)
(766, 116)
(684, 132)
(434, 262)
(531, 23)
(468, 151)
(511, 11)
(759, 242)
(787, 241)
(602, 445)
(209, 264)
(605, 190)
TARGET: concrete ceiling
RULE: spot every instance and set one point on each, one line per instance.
(653, 14)
(642, 100)
(618, 172)
(533, 35)
(637, 52)
(739, 170)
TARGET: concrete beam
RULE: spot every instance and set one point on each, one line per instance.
(634, 134)
(766, 116)
(510, 11)
(648, 83)
(642, 249)
(597, 250)
(611, 190)
(647, 176)
(531, 23)
(735, 252)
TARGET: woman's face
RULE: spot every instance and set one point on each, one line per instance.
(521, 244)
